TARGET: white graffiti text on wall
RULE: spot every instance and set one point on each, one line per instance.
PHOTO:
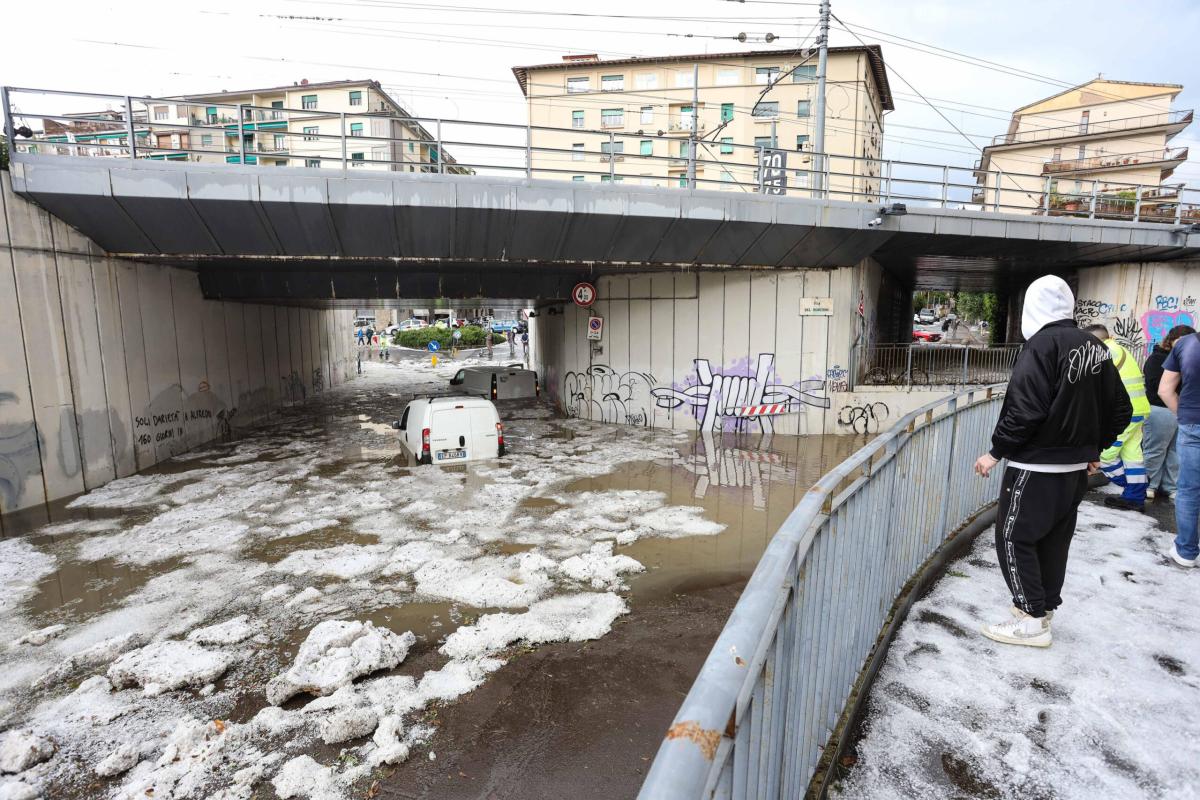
(719, 400)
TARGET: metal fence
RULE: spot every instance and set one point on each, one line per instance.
(932, 365)
(772, 689)
(665, 151)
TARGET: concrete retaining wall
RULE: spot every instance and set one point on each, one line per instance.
(690, 350)
(108, 366)
(1140, 302)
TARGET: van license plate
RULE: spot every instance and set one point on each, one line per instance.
(449, 454)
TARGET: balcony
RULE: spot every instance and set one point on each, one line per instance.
(685, 123)
(1171, 121)
(1168, 159)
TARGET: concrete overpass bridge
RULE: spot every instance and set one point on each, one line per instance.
(334, 238)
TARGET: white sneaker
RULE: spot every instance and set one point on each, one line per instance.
(1180, 560)
(1016, 612)
(1022, 629)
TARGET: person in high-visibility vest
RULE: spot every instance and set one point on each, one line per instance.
(1123, 462)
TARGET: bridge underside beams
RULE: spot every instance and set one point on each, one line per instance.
(352, 285)
(180, 210)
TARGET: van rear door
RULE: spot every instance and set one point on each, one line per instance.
(483, 432)
(449, 436)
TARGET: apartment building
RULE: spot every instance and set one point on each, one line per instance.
(300, 125)
(633, 120)
(1103, 147)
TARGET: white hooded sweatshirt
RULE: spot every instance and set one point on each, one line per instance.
(1048, 299)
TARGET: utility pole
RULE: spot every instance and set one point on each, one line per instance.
(691, 164)
(822, 67)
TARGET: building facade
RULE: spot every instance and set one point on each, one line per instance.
(1103, 146)
(635, 120)
(300, 125)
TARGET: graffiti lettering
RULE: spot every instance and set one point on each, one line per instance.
(1166, 302)
(715, 397)
(1128, 333)
(837, 379)
(1158, 323)
(1087, 311)
(1087, 359)
(601, 393)
(865, 418)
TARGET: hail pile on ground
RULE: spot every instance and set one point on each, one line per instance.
(1106, 711)
(218, 581)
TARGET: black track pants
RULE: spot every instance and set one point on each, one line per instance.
(1034, 525)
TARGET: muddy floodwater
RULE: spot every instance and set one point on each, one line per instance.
(237, 551)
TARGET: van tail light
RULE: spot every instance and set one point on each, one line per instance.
(425, 440)
(500, 434)
(493, 386)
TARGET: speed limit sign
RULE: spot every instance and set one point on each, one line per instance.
(584, 294)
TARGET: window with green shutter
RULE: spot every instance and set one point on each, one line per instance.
(356, 129)
(357, 159)
(726, 112)
(356, 98)
(576, 119)
(727, 145)
(803, 108)
(801, 141)
(276, 104)
(647, 147)
(308, 101)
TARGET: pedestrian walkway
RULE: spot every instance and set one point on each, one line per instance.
(1108, 711)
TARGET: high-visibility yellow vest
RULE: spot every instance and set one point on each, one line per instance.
(1131, 376)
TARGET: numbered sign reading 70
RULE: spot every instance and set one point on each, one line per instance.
(772, 171)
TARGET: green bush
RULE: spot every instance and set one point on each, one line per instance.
(472, 336)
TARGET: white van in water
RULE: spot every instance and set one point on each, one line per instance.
(512, 382)
(451, 430)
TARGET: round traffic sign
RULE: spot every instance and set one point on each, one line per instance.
(434, 346)
(584, 294)
(456, 335)
(595, 323)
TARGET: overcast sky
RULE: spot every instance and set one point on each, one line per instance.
(455, 58)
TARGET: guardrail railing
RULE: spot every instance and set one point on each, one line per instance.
(1087, 127)
(760, 713)
(933, 365)
(626, 149)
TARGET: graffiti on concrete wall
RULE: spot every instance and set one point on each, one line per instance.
(603, 394)
(1089, 311)
(294, 390)
(1158, 323)
(864, 418)
(737, 397)
(837, 379)
(1136, 332)
(19, 456)
(1128, 333)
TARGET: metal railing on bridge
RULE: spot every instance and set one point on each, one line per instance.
(759, 716)
(932, 365)
(660, 152)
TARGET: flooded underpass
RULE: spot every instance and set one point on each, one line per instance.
(236, 623)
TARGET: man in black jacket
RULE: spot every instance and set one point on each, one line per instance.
(1064, 404)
